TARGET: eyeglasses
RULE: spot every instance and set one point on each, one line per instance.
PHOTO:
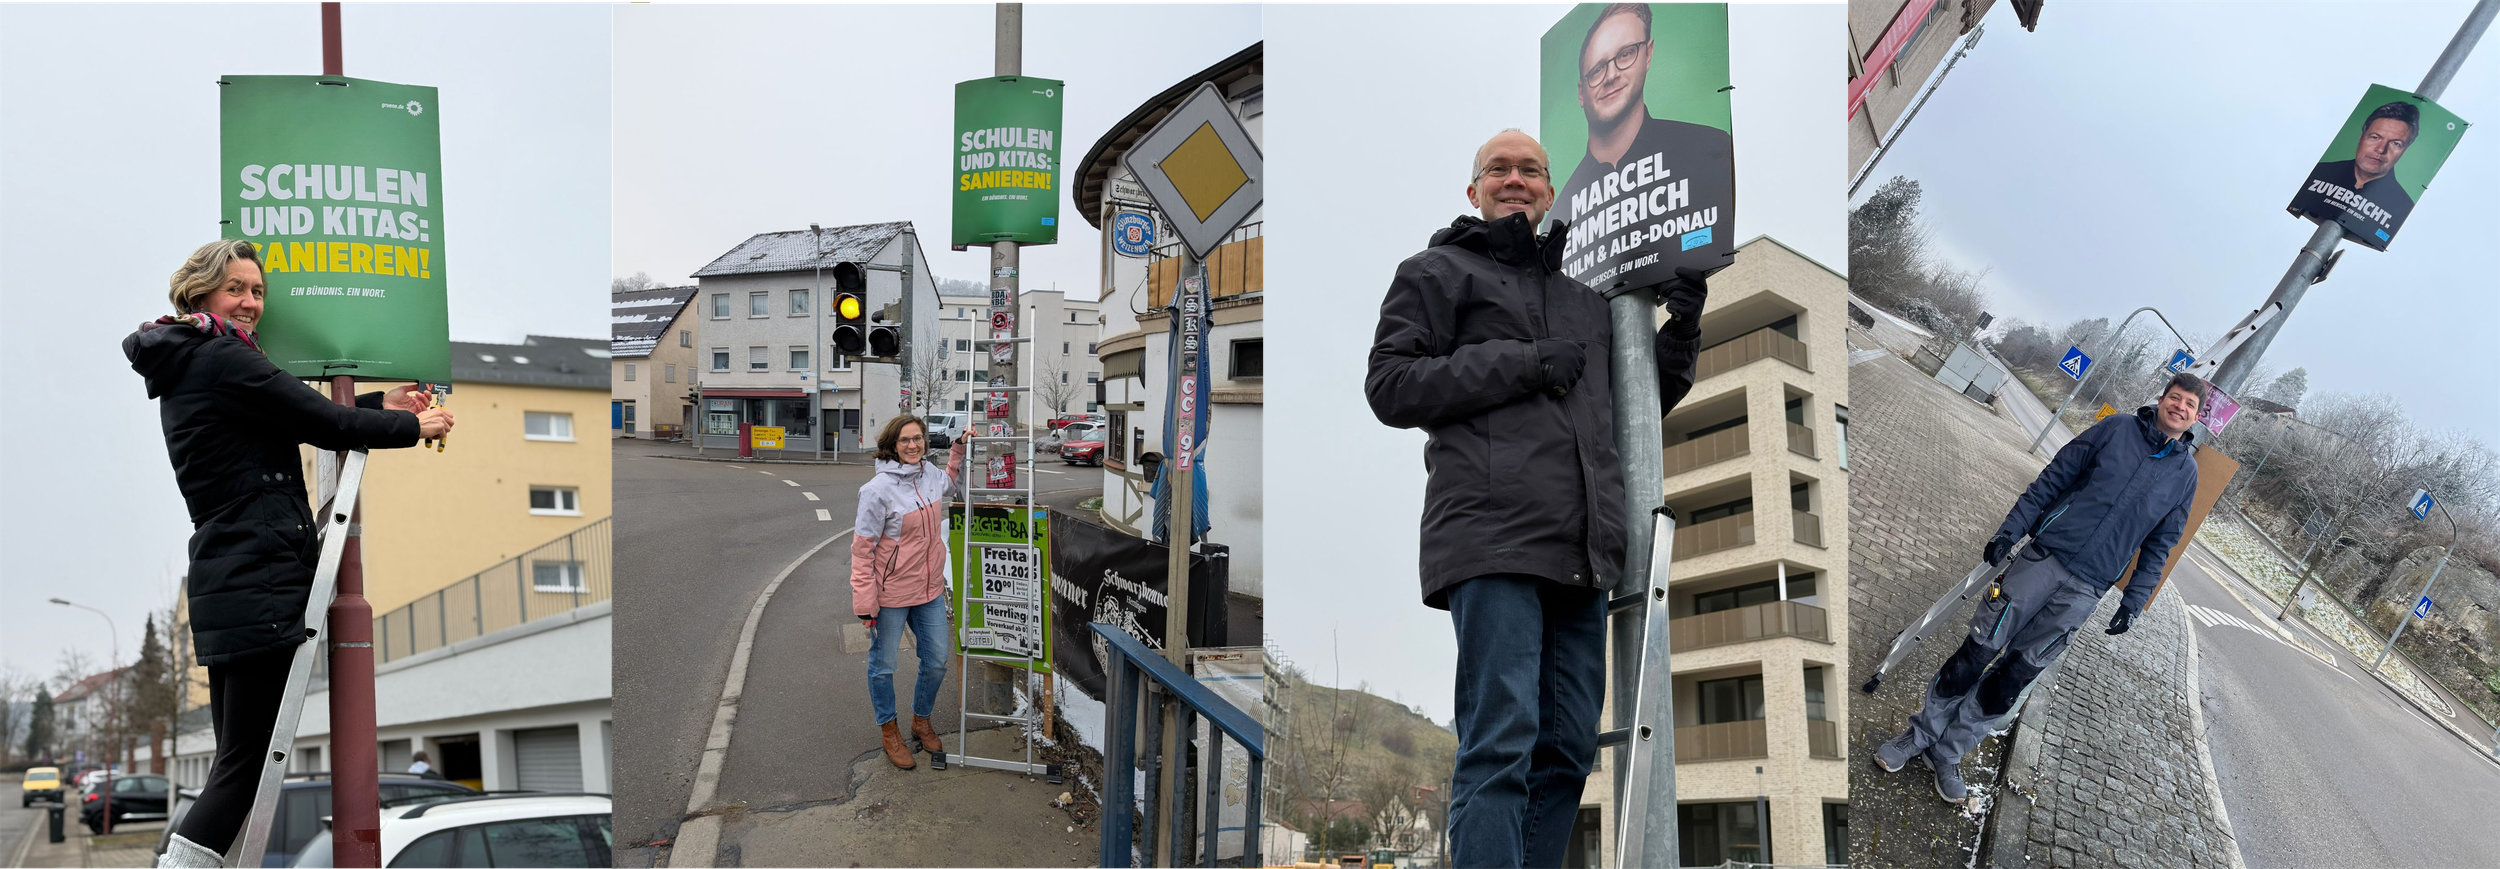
(1499, 170)
(915, 439)
(1621, 61)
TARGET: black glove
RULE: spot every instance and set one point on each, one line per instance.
(2118, 624)
(1683, 297)
(1997, 546)
(1561, 362)
(870, 621)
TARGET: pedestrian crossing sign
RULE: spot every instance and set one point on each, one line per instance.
(2075, 363)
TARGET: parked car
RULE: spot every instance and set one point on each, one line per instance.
(944, 428)
(42, 783)
(515, 829)
(1083, 445)
(1058, 422)
(303, 800)
(135, 798)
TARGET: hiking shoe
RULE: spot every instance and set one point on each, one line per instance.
(1894, 754)
(1949, 784)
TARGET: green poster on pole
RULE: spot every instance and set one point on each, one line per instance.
(2378, 165)
(1006, 165)
(339, 182)
(1633, 111)
(1001, 575)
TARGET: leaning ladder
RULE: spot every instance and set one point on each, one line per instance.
(974, 590)
(335, 514)
(1938, 612)
(1639, 819)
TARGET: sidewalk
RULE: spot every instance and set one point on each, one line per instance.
(2109, 760)
(130, 845)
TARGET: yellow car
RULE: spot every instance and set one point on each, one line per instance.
(42, 782)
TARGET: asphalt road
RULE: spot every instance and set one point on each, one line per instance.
(17, 821)
(2320, 764)
(696, 544)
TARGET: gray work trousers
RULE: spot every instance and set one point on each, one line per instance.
(2031, 616)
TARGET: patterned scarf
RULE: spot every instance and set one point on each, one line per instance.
(210, 323)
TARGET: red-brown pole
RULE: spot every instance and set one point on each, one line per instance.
(355, 786)
(332, 62)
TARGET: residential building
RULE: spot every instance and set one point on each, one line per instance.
(651, 343)
(1135, 349)
(1065, 334)
(766, 350)
(82, 718)
(1917, 35)
(1757, 473)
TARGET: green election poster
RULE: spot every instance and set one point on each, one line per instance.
(2379, 164)
(1633, 111)
(339, 182)
(1006, 166)
(999, 576)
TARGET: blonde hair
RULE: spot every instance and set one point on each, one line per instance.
(205, 271)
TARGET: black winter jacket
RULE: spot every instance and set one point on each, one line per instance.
(232, 422)
(1520, 482)
(2119, 490)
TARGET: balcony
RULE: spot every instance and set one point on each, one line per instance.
(1733, 740)
(1233, 268)
(1779, 618)
(1800, 440)
(1744, 349)
(1714, 535)
(1807, 528)
(1709, 449)
(1823, 739)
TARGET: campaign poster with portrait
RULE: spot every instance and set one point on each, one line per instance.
(2378, 165)
(1634, 112)
(339, 182)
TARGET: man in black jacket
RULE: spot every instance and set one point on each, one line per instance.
(2365, 186)
(1503, 361)
(2119, 490)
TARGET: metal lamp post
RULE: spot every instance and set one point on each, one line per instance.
(113, 708)
(816, 312)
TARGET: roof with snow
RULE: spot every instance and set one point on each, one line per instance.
(637, 318)
(795, 250)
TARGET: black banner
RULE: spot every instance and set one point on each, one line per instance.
(1101, 575)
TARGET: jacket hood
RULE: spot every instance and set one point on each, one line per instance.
(1509, 241)
(157, 350)
(901, 470)
(2152, 433)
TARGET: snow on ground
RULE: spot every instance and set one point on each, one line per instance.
(2253, 559)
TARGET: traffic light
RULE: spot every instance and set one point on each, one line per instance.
(850, 309)
(885, 333)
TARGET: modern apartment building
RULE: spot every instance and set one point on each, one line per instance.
(1894, 46)
(1757, 472)
(1065, 334)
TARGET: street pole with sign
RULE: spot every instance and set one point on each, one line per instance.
(2087, 372)
(2420, 507)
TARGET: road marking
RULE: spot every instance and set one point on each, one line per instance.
(790, 483)
(824, 515)
(698, 840)
(811, 496)
(765, 473)
(2205, 562)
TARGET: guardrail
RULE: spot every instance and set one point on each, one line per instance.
(1128, 660)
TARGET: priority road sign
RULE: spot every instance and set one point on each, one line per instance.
(1201, 168)
(2179, 361)
(2075, 363)
(2423, 610)
(2421, 504)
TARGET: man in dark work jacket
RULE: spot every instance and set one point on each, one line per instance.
(1503, 361)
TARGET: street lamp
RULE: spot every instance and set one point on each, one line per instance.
(815, 354)
(113, 709)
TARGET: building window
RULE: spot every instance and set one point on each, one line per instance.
(1089, 348)
(1801, 497)
(1796, 411)
(959, 404)
(720, 358)
(1072, 317)
(669, 371)
(556, 576)
(540, 425)
(1716, 833)
(963, 345)
(798, 359)
(1840, 421)
(1063, 348)
(720, 306)
(1093, 377)
(1249, 359)
(1725, 701)
(1063, 378)
(555, 501)
(841, 360)
(759, 303)
(629, 372)
(1836, 833)
(1716, 512)
(1814, 694)
(759, 359)
(685, 337)
(798, 303)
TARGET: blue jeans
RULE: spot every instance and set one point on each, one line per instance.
(928, 626)
(1531, 678)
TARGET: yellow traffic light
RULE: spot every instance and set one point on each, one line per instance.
(848, 307)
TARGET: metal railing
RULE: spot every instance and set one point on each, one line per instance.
(1822, 738)
(1126, 693)
(1762, 621)
(1731, 740)
(1743, 349)
(1806, 528)
(1709, 449)
(1234, 267)
(1714, 535)
(1801, 440)
(559, 576)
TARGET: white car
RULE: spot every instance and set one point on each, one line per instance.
(945, 427)
(523, 829)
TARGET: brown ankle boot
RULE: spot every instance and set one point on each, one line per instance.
(927, 735)
(894, 749)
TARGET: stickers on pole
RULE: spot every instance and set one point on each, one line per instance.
(2378, 165)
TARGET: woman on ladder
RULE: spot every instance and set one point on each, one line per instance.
(232, 423)
(898, 575)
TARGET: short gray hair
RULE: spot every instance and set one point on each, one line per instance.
(205, 271)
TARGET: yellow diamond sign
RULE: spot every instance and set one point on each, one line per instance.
(1201, 169)
(1204, 172)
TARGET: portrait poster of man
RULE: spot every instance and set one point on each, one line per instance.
(1634, 113)
(2378, 165)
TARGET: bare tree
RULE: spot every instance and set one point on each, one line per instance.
(15, 688)
(640, 281)
(933, 380)
(1052, 386)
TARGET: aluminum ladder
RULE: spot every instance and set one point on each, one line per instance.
(969, 571)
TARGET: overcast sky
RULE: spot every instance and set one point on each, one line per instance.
(108, 178)
(1373, 113)
(735, 120)
(2141, 154)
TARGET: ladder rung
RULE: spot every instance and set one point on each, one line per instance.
(984, 387)
(992, 544)
(1002, 440)
(1617, 736)
(1001, 656)
(1004, 601)
(1002, 491)
(987, 716)
(1027, 339)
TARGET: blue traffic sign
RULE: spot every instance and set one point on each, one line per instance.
(2421, 504)
(2075, 363)
(2423, 610)
(2179, 361)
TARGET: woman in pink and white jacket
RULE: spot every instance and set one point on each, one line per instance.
(898, 575)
